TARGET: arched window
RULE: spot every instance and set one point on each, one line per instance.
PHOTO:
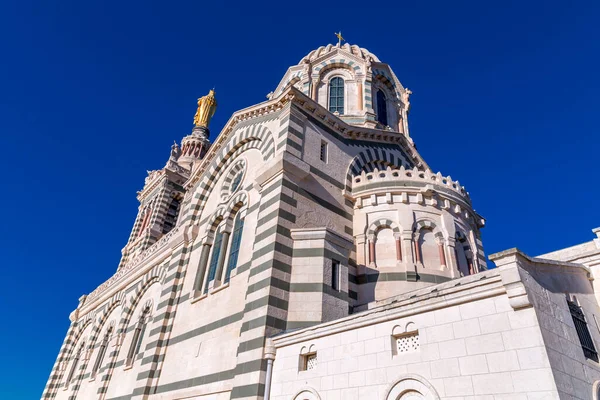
(382, 108)
(385, 248)
(74, 365)
(138, 336)
(236, 182)
(236, 241)
(101, 352)
(145, 220)
(336, 95)
(463, 254)
(429, 249)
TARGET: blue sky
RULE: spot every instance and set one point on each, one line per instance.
(94, 93)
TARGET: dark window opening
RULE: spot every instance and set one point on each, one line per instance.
(336, 95)
(236, 242)
(138, 336)
(382, 108)
(308, 361)
(236, 182)
(587, 344)
(171, 217)
(335, 275)
(101, 352)
(323, 154)
(214, 260)
(74, 365)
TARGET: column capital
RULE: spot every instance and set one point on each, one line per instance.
(270, 351)
(440, 240)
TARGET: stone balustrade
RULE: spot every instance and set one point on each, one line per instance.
(390, 178)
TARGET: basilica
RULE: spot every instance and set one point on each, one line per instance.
(310, 253)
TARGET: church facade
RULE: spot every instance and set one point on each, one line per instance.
(309, 252)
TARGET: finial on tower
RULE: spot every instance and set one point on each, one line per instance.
(340, 38)
(206, 109)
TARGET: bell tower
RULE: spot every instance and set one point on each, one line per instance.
(195, 145)
(160, 199)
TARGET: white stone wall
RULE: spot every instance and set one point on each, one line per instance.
(215, 341)
(483, 349)
(124, 377)
(549, 284)
(90, 385)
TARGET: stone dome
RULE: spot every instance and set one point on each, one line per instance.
(350, 48)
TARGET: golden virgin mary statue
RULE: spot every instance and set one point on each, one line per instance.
(206, 109)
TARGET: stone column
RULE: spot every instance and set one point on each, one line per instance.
(314, 89)
(474, 262)
(221, 260)
(469, 255)
(371, 240)
(452, 261)
(442, 254)
(417, 250)
(397, 236)
(410, 258)
(201, 270)
(360, 95)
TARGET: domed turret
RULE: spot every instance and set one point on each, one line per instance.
(417, 225)
(352, 83)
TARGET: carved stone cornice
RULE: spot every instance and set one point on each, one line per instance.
(175, 238)
(153, 179)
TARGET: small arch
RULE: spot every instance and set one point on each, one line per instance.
(155, 275)
(114, 302)
(381, 224)
(413, 387)
(236, 204)
(233, 178)
(388, 82)
(346, 64)
(428, 238)
(425, 223)
(214, 221)
(596, 390)
(410, 326)
(307, 393)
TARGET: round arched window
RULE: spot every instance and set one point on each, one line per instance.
(233, 179)
(336, 95)
(235, 184)
(382, 116)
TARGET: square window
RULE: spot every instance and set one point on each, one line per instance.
(308, 362)
(405, 343)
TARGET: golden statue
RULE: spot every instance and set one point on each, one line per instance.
(206, 109)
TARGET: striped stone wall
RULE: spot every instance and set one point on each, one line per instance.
(212, 342)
